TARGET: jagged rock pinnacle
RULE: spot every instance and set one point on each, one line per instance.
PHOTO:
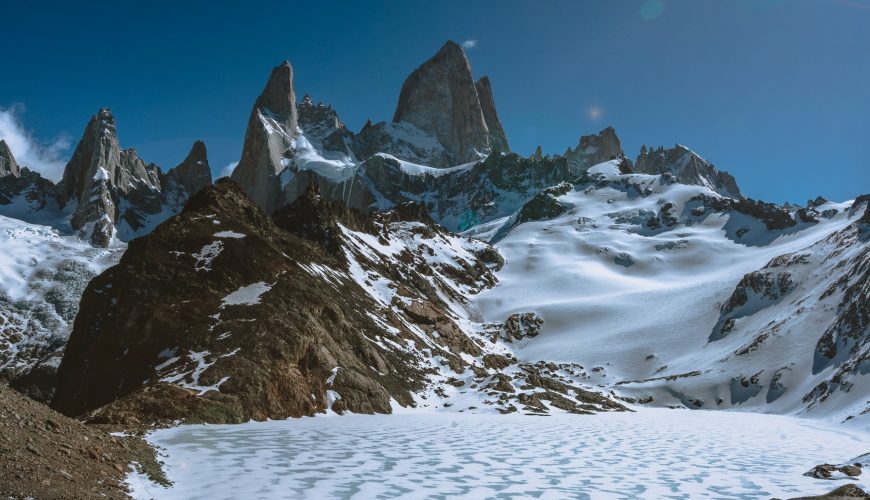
(8, 165)
(440, 98)
(272, 128)
(497, 138)
(193, 173)
(594, 149)
(278, 96)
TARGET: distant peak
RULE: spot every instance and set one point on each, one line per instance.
(440, 98)
(451, 46)
(198, 152)
(278, 96)
(103, 116)
(8, 165)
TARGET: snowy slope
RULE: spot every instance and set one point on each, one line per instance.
(42, 276)
(639, 302)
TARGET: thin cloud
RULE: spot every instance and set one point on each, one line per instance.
(469, 44)
(47, 158)
(228, 170)
(855, 4)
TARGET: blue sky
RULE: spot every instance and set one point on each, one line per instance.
(775, 91)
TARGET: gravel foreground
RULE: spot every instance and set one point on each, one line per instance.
(47, 455)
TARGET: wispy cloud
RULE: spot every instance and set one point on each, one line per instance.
(469, 44)
(855, 4)
(47, 158)
(226, 171)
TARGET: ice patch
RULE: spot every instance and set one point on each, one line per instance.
(247, 295)
(180, 377)
(228, 234)
(101, 174)
(207, 255)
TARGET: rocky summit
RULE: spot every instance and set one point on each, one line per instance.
(594, 149)
(269, 140)
(441, 99)
(688, 167)
(107, 193)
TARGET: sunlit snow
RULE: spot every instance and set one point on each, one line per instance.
(654, 453)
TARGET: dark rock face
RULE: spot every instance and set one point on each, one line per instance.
(772, 215)
(845, 492)
(594, 149)
(194, 173)
(859, 201)
(545, 205)
(317, 220)
(441, 99)
(8, 165)
(36, 191)
(826, 471)
(464, 198)
(687, 167)
(269, 139)
(99, 173)
(323, 127)
(520, 326)
(402, 140)
(497, 138)
(756, 290)
(168, 332)
(850, 331)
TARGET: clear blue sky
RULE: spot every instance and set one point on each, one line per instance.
(775, 91)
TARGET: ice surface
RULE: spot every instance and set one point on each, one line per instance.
(655, 453)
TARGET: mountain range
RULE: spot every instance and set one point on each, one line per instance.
(421, 263)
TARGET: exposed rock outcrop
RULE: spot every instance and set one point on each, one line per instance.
(497, 138)
(17, 182)
(462, 198)
(269, 140)
(594, 149)
(687, 167)
(8, 165)
(440, 98)
(194, 173)
(545, 205)
(323, 128)
(845, 492)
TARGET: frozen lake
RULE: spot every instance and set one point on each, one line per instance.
(655, 453)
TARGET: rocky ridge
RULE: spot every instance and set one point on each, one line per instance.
(687, 167)
(353, 313)
(594, 149)
(106, 192)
